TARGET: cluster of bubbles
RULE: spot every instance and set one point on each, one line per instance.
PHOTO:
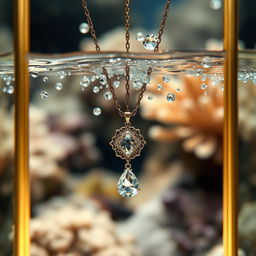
(8, 83)
(97, 81)
(246, 76)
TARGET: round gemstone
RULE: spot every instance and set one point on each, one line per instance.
(96, 89)
(108, 95)
(127, 143)
(58, 86)
(44, 94)
(140, 36)
(150, 42)
(150, 97)
(128, 185)
(102, 79)
(171, 97)
(97, 111)
(84, 28)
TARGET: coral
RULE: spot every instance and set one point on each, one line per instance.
(57, 143)
(75, 227)
(6, 137)
(247, 110)
(98, 182)
(247, 228)
(193, 117)
(181, 221)
(218, 251)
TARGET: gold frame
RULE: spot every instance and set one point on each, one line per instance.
(230, 137)
(22, 181)
(21, 177)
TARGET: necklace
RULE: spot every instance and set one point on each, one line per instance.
(128, 141)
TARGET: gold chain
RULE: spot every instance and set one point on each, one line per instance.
(127, 46)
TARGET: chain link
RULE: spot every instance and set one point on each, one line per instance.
(127, 24)
(162, 25)
(90, 23)
(127, 46)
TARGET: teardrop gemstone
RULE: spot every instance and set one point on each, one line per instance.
(128, 185)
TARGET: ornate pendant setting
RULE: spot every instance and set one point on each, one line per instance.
(127, 144)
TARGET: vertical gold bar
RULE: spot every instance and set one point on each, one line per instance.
(230, 164)
(21, 180)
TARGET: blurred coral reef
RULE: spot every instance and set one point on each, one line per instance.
(194, 118)
(75, 227)
(76, 209)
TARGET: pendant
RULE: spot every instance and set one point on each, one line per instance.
(127, 144)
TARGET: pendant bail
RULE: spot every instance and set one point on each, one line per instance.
(127, 116)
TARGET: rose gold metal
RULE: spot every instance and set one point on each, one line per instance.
(21, 175)
(127, 46)
(137, 138)
(230, 164)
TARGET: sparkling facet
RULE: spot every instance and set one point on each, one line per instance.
(58, 86)
(166, 78)
(97, 111)
(96, 89)
(84, 28)
(108, 95)
(140, 36)
(127, 143)
(44, 94)
(137, 85)
(128, 185)
(171, 97)
(150, 42)
(102, 79)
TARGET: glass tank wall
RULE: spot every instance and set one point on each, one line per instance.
(76, 209)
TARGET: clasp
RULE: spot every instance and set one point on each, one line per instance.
(127, 116)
